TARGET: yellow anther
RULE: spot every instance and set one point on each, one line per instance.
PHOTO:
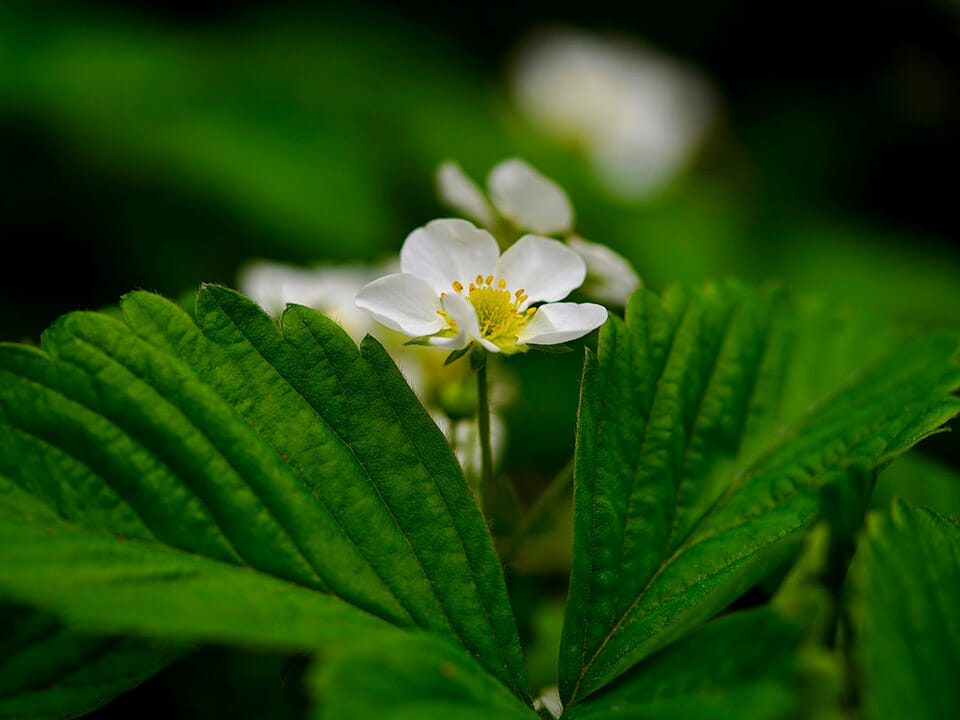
(489, 279)
(472, 287)
(502, 284)
(442, 313)
(522, 298)
(479, 279)
(531, 311)
(519, 292)
(457, 286)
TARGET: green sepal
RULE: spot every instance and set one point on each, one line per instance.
(456, 355)
(478, 356)
(552, 349)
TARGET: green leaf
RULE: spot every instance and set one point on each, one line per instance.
(111, 585)
(287, 451)
(742, 665)
(904, 596)
(50, 671)
(408, 676)
(709, 421)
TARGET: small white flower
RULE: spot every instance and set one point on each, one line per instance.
(522, 195)
(550, 701)
(610, 276)
(455, 288)
(534, 202)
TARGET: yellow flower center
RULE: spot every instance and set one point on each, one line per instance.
(498, 312)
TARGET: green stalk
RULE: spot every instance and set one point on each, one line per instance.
(487, 490)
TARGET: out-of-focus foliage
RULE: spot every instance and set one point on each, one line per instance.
(405, 677)
(905, 587)
(171, 155)
(51, 671)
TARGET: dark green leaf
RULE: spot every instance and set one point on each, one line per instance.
(410, 676)
(285, 451)
(740, 666)
(708, 424)
(904, 600)
(50, 671)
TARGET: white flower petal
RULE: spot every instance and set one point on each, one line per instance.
(543, 268)
(444, 251)
(559, 322)
(610, 276)
(528, 199)
(459, 192)
(462, 313)
(402, 302)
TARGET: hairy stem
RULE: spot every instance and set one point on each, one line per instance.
(487, 490)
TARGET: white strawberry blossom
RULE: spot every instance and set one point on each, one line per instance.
(455, 288)
(533, 202)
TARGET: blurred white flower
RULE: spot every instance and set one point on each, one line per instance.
(639, 114)
(611, 278)
(455, 288)
(458, 191)
(464, 438)
(331, 289)
(532, 201)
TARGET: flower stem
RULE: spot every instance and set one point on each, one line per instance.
(487, 490)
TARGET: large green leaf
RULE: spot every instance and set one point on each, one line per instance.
(131, 587)
(285, 451)
(709, 421)
(743, 665)
(408, 676)
(904, 600)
